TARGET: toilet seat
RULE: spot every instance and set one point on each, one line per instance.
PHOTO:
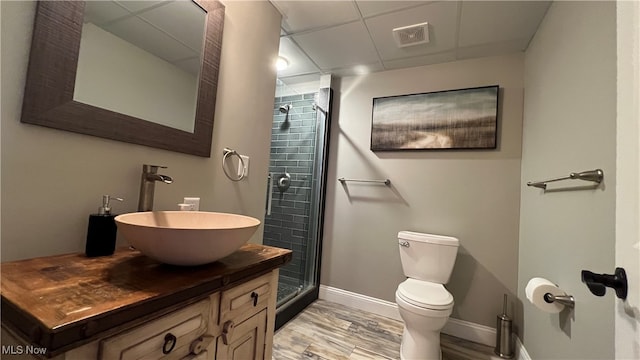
(405, 307)
(426, 295)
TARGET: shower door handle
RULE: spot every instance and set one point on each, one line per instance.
(269, 194)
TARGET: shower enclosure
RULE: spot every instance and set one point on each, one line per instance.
(295, 197)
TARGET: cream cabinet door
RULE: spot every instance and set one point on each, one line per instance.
(173, 336)
(243, 341)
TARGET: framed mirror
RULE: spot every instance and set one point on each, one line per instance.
(63, 95)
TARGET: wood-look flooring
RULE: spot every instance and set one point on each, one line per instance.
(330, 331)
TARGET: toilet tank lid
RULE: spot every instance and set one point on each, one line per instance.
(429, 238)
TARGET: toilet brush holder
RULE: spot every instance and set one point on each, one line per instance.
(504, 331)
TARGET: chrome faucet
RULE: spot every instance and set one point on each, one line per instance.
(148, 184)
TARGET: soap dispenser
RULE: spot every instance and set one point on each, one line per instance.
(101, 233)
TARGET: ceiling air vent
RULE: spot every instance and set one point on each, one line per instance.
(411, 35)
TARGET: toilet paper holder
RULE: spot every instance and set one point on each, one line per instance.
(566, 300)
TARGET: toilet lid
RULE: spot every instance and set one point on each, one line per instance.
(425, 294)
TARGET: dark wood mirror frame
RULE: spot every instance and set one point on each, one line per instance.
(48, 96)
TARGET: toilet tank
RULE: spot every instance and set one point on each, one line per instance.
(427, 257)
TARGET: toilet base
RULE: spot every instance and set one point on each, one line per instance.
(425, 346)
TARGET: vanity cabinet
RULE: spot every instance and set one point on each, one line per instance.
(232, 324)
(230, 319)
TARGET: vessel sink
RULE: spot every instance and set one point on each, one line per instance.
(186, 238)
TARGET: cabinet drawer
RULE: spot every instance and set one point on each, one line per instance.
(245, 300)
(169, 337)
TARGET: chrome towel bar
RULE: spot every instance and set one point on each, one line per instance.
(385, 181)
(590, 175)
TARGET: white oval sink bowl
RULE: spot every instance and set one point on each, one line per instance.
(186, 237)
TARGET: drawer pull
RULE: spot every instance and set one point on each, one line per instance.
(254, 296)
(169, 343)
(227, 332)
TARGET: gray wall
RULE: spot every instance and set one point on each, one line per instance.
(473, 195)
(52, 180)
(569, 125)
(293, 143)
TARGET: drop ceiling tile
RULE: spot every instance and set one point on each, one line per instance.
(363, 69)
(297, 85)
(420, 60)
(148, 38)
(442, 19)
(485, 22)
(295, 80)
(134, 6)
(99, 12)
(376, 7)
(303, 15)
(180, 19)
(299, 63)
(338, 47)
(492, 49)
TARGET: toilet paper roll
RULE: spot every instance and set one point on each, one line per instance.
(535, 290)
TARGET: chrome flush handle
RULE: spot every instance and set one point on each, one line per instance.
(404, 243)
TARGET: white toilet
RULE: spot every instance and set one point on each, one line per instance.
(423, 302)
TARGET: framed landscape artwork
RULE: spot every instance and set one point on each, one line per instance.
(452, 119)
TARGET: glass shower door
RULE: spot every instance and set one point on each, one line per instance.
(295, 200)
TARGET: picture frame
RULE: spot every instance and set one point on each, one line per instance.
(440, 120)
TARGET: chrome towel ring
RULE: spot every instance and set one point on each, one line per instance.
(225, 154)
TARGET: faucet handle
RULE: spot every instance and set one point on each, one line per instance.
(152, 168)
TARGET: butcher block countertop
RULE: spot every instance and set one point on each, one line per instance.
(63, 301)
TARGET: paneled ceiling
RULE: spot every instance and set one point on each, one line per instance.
(344, 37)
(354, 37)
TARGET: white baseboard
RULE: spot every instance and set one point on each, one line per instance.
(470, 331)
(367, 303)
(459, 328)
(521, 352)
